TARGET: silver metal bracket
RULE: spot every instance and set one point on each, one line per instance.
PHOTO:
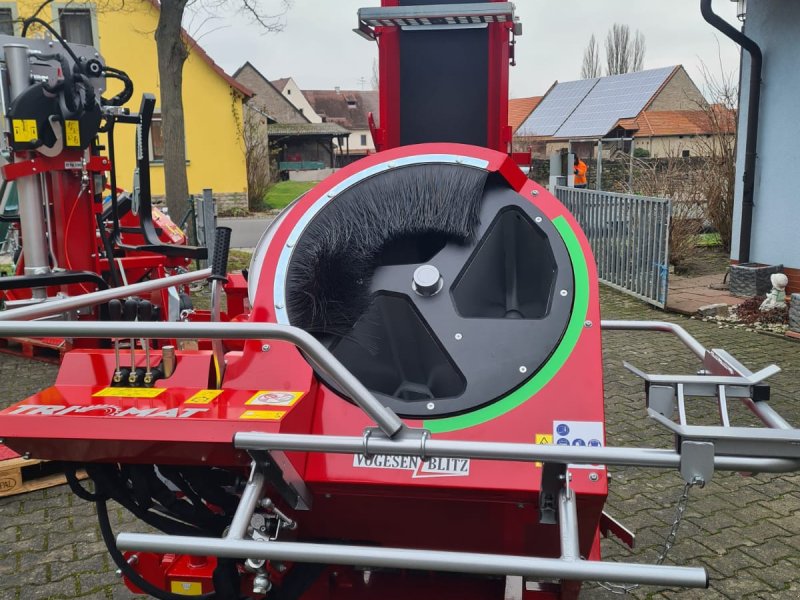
(280, 472)
(404, 435)
(697, 462)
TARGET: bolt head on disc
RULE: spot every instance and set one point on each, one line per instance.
(427, 281)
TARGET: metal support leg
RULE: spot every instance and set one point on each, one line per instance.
(568, 525)
(247, 506)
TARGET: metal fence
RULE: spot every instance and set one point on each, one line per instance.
(629, 236)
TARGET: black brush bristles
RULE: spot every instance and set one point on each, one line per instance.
(331, 268)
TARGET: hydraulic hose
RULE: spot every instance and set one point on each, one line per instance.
(126, 568)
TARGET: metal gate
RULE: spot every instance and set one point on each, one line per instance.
(629, 236)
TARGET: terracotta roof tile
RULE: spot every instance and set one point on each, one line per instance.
(681, 122)
(519, 109)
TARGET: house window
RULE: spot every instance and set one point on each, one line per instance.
(363, 140)
(156, 139)
(6, 21)
(76, 25)
(685, 154)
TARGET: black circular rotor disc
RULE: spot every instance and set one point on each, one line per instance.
(503, 301)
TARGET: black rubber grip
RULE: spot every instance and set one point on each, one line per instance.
(114, 310)
(219, 261)
(130, 309)
(145, 311)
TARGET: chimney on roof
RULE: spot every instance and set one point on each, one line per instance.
(338, 89)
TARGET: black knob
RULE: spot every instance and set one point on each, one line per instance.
(145, 311)
(114, 310)
(130, 309)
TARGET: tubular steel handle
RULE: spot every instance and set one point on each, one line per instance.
(317, 354)
(407, 558)
(683, 335)
(219, 261)
(48, 309)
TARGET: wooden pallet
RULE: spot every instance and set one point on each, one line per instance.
(20, 475)
(49, 350)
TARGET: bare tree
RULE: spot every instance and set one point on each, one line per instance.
(257, 155)
(639, 49)
(375, 74)
(591, 60)
(624, 53)
(172, 44)
(718, 178)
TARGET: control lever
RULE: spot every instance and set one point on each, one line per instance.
(146, 314)
(129, 312)
(219, 276)
(115, 314)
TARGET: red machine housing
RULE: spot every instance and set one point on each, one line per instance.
(462, 505)
(440, 82)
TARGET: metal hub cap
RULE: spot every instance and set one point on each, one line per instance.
(427, 281)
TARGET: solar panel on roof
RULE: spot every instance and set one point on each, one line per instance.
(556, 107)
(611, 99)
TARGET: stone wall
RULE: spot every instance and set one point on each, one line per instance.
(226, 204)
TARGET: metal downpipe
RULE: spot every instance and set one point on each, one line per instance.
(753, 104)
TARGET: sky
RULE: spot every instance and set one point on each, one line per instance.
(318, 48)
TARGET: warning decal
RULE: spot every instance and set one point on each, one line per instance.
(274, 398)
(263, 415)
(72, 133)
(120, 392)
(203, 397)
(25, 130)
(579, 433)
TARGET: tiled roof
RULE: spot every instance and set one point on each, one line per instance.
(348, 108)
(302, 129)
(681, 122)
(519, 109)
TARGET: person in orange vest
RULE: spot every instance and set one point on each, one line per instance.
(580, 173)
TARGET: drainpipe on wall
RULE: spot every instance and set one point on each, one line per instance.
(754, 99)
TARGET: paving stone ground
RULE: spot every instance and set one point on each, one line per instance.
(745, 530)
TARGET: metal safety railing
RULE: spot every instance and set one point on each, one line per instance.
(629, 236)
(700, 451)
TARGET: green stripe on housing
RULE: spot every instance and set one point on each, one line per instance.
(557, 359)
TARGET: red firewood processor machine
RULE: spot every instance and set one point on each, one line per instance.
(411, 403)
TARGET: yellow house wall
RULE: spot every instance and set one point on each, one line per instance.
(212, 111)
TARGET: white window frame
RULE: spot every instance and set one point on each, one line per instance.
(57, 7)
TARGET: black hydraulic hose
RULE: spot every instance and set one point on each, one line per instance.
(126, 568)
(754, 100)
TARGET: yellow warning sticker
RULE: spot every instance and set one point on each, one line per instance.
(25, 130)
(120, 392)
(186, 588)
(203, 397)
(263, 415)
(543, 438)
(274, 398)
(72, 133)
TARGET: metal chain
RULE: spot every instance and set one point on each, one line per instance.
(669, 542)
(676, 522)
